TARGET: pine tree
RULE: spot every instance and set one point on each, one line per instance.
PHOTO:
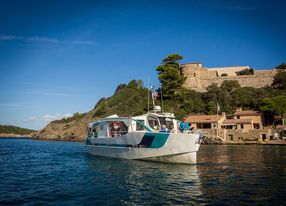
(170, 76)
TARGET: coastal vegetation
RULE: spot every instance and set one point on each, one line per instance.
(132, 99)
(76, 116)
(8, 129)
(245, 72)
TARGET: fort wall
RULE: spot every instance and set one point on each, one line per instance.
(199, 78)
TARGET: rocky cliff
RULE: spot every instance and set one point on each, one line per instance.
(74, 130)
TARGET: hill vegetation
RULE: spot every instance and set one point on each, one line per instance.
(132, 99)
(8, 129)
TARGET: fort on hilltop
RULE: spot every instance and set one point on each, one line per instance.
(198, 77)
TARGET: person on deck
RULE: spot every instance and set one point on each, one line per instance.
(115, 129)
(184, 126)
(164, 129)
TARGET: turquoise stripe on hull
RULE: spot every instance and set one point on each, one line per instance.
(159, 139)
(149, 140)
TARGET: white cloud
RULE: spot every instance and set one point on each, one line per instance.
(37, 39)
(31, 119)
(49, 117)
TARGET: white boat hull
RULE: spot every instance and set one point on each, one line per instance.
(175, 148)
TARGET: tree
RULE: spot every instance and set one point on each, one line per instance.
(276, 104)
(218, 95)
(244, 97)
(279, 81)
(135, 84)
(101, 109)
(281, 67)
(173, 58)
(211, 108)
(245, 72)
(169, 75)
(230, 85)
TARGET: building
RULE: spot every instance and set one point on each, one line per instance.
(243, 126)
(199, 77)
(254, 116)
(206, 121)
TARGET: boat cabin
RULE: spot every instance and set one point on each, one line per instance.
(117, 126)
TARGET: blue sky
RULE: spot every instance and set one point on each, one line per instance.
(61, 57)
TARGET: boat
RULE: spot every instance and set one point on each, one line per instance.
(142, 138)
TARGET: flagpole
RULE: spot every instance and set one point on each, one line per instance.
(152, 95)
(148, 92)
(162, 98)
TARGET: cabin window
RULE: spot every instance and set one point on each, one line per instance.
(167, 121)
(102, 130)
(139, 127)
(94, 131)
(170, 125)
(117, 128)
(241, 126)
(153, 122)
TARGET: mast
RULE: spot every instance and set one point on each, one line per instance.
(148, 92)
(162, 98)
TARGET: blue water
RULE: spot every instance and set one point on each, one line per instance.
(62, 173)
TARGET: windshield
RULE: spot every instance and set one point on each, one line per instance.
(167, 121)
(153, 122)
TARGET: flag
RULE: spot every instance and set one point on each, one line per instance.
(155, 94)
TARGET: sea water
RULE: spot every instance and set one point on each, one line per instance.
(62, 173)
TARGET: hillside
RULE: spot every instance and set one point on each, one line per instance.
(131, 100)
(127, 100)
(9, 130)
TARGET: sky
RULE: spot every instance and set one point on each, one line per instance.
(59, 57)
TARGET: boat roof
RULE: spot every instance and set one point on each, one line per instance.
(126, 120)
(168, 115)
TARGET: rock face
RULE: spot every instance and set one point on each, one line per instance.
(15, 135)
(75, 130)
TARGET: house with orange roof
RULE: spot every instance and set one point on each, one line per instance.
(206, 121)
(252, 115)
(244, 125)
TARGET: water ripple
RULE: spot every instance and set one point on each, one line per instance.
(62, 173)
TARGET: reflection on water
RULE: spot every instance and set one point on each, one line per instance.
(62, 173)
(235, 174)
(150, 182)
